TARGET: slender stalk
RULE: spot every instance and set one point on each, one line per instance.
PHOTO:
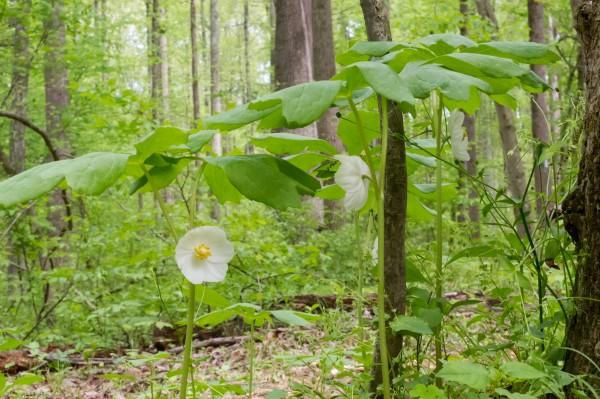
(187, 352)
(383, 349)
(378, 185)
(191, 311)
(161, 204)
(436, 103)
(192, 289)
(361, 270)
(364, 142)
(252, 355)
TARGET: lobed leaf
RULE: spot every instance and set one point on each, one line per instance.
(288, 143)
(90, 174)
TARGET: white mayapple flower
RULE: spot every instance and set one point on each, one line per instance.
(353, 177)
(458, 139)
(202, 254)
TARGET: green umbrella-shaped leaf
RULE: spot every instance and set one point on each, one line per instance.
(267, 179)
(525, 52)
(410, 325)
(382, 79)
(459, 90)
(443, 43)
(159, 140)
(292, 318)
(288, 143)
(331, 192)
(466, 373)
(362, 51)
(348, 130)
(301, 104)
(198, 140)
(522, 371)
(236, 117)
(90, 174)
(220, 185)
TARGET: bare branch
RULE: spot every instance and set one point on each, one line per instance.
(35, 128)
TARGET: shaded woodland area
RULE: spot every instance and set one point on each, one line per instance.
(300, 199)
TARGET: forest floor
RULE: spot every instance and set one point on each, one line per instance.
(284, 357)
(297, 359)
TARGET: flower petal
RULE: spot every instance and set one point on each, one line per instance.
(222, 251)
(357, 199)
(212, 269)
(215, 272)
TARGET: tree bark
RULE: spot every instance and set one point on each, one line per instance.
(469, 125)
(158, 63)
(247, 79)
(376, 15)
(163, 55)
(555, 114)
(56, 78)
(323, 69)
(57, 102)
(194, 55)
(539, 106)
(293, 47)
(20, 85)
(293, 59)
(581, 210)
(324, 64)
(215, 83)
(513, 165)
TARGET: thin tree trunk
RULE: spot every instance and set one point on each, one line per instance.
(486, 116)
(57, 102)
(194, 55)
(294, 58)
(20, 85)
(55, 76)
(581, 210)
(555, 114)
(513, 164)
(323, 69)
(271, 15)
(205, 55)
(215, 96)
(16, 157)
(469, 125)
(154, 59)
(293, 47)
(247, 79)
(376, 15)
(539, 106)
(163, 55)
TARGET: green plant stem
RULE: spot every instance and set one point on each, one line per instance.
(383, 349)
(161, 204)
(437, 131)
(252, 355)
(365, 143)
(187, 352)
(361, 271)
(378, 185)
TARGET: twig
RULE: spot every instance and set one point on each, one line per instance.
(35, 128)
(218, 341)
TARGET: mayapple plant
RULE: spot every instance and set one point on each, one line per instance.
(450, 70)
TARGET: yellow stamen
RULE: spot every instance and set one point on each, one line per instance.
(202, 251)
